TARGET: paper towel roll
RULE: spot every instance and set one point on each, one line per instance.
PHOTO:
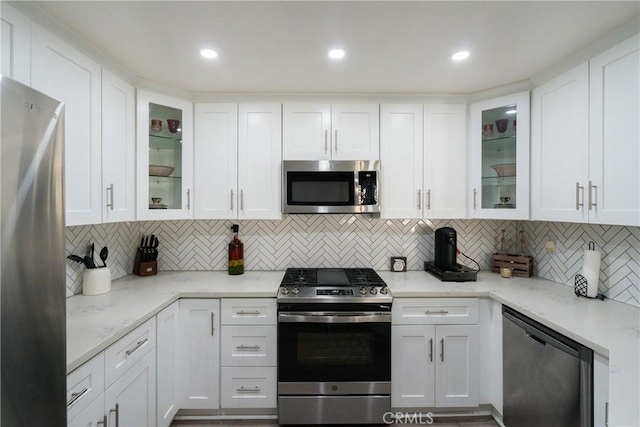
(591, 271)
(96, 281)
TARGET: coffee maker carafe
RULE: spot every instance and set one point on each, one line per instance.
(445, 248)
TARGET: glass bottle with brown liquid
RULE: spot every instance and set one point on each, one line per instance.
(236, 253)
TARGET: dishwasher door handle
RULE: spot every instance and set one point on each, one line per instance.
(540, 336)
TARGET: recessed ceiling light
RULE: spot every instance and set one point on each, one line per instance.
(459, 56)
(336, 54)
(209, 53)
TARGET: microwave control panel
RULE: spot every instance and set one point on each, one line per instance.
(368, 183)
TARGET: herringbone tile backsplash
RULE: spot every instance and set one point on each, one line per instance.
(356, 241)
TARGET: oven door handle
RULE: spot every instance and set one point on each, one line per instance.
(339, 317)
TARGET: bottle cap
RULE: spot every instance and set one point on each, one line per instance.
(235, 228)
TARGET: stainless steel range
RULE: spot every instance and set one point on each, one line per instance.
(334, 347)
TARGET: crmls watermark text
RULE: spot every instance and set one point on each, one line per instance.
(407, 418)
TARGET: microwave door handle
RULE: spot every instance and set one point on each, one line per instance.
(326, 140)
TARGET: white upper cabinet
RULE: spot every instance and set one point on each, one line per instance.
(165, 157)
(259, 161)
(63, 73)
(445, 161)
(118, 149)
(16, 44)
(560, 147)
(401, 157)
(337, 132)
(216, 161)
(499, 158)
(613, 190)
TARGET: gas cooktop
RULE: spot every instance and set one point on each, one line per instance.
(333, 285)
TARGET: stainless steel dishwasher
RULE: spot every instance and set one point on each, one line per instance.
(547, 377)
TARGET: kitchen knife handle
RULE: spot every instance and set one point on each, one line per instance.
(188, 198)
(336, 141)
(431, 350)
(579, 188)
(110, 197)
(326, 140)
(213, 328)
(232, 200)
(429, 199)
(419, 199)
(591, 186)
(117, 411)
(442, 349)
(475, 199)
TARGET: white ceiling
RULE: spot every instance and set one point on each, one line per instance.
(392, 46)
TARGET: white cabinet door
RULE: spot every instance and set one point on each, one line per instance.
(63, 73)
(118, 149)
(356, 131)
(131, 400)
(499, 158)
(445, 161)
(306, 131)
(401, 157)
(168, 330)
(613, 191)
(216, 161)
(199, 354)
(413, 366)
(16, 44)
(169, 147)
(457, 365)
(259, 161)
(92, 416)
(560, 147)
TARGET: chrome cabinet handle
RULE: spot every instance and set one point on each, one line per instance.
(592, 204)
(336, 140)
(256, 389)
(138, 345)
(419, 199)
(442, 349)
(76, 396)
(188, 198)
(475, 199)
(103, 421)
(117, 411)
(213, 328)
(436, 312)
(578, 189)
(430, 349)
(231, 199)
(242, 200)
(326, 139)
(429, 199)
(110, 197)
(247, 313)
(248, 347)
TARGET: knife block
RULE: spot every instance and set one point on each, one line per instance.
(142, 269)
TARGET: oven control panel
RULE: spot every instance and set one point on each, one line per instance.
(334, 292)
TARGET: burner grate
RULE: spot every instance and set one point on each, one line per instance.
(363, 276)
(300, 277)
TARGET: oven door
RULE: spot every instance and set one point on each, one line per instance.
(334, 346)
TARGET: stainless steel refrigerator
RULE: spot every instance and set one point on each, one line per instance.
(32, 254)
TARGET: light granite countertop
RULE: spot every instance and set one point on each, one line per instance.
(609, 328)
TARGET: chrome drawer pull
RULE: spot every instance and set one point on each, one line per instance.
(442, 349)
(248, 347)
(76, 396)
(247, 313)
(431, 350)
(256, 389)
(117, 411)
(138, 345)
(436, 312)
(103, 421)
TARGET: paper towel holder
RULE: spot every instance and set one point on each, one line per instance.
(580, 288)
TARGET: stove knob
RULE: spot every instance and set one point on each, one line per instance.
(373, 290)
(295, 290)
(284, 291)
(363, 290)
(384, 290)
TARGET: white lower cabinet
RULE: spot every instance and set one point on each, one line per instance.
(434, 365)
(168, 329)
(199, 371)
(92, 416)
(248, 387)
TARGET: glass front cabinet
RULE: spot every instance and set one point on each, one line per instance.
(499, 158)
(165, 157)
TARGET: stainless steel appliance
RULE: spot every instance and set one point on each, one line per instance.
(330, 187)
(334, 347)
(32, 249)
(548, 378)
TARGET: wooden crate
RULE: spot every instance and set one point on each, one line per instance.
(522, 265)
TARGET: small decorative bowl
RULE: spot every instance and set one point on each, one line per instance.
(160, 170)
(505, 169)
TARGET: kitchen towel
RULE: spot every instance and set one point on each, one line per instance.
(96, 281)
(591, 269)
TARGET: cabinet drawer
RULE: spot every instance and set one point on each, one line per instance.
(248, 387)
(248, 311)
(124, 353)
(84, 385)
(248, 345)
(435, 311)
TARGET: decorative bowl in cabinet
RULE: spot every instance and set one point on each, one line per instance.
(160, 170)
(505, 169)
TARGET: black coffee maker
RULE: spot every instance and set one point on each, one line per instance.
(445, 249)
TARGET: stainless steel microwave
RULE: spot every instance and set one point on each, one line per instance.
(331, 186)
